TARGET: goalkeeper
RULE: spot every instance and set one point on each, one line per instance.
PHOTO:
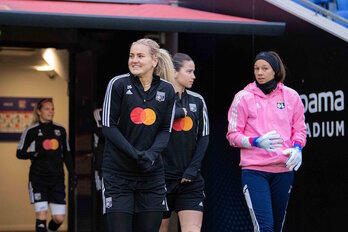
(266, 121)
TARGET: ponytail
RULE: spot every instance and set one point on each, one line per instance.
(165, 68)
(36, 117)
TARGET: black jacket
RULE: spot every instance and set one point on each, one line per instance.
(189, 138)
(46, 145)
(136, 125)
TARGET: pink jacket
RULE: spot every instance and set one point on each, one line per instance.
(252, 114)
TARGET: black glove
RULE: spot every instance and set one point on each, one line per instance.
(145, 161)
(72, 182)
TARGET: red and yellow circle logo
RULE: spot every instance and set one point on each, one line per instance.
(146, 116)
(184, 124)
(50, 144)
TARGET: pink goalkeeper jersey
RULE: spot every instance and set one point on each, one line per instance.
(252, 114)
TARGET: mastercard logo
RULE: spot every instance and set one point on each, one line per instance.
(183, 124)
(146, 116)
(50, 144)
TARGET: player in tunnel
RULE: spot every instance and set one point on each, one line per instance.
(46, 144)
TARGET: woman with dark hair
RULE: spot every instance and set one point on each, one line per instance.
(186, 149)
(266, 121)
(45, 143)
(137, 120)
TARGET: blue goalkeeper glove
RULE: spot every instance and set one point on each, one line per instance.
(295, 159)
(269, 141)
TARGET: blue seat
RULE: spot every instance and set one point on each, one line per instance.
(342, 5)
(322, 3)
(343, 14)
(302, 4)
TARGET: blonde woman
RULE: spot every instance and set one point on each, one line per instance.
(137, 120)
(45, 143)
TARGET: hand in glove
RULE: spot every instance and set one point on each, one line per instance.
(295, 159)
(72, 182)
(269, 141)
(145, 160)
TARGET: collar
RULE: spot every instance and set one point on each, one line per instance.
(45, 124)
(252, 87)
(137, 83)
(267, 87)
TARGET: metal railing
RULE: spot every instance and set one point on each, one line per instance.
(318, 9)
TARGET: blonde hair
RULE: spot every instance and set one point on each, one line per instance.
(36, 116)
(38, 106)
(165, 67)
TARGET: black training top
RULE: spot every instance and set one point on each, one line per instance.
(189, 138)
(136, 125)
(46, 145)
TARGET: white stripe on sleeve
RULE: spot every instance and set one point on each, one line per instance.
(232, 121)
(205, 113)
(107, 100)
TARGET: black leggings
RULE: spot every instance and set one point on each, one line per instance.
(139, 222)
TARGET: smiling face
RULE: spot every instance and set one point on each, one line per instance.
(263, 71)
(185, 76)
(140, 62)
(46, 112)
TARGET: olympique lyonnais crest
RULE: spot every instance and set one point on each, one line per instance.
(160, 96)
(37, 196)
(57, 132)
(108, 202)
(193, 107)
(280, 105)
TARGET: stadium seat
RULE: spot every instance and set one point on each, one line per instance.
(322, 3)
(343, 14)
(302, 4)
(342, 5)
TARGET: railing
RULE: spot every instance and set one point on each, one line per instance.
(324, 12)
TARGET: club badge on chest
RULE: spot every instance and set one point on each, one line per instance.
(160, 96)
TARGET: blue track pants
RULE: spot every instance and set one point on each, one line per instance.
(267, 195)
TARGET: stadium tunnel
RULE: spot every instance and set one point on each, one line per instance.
(96, 37)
